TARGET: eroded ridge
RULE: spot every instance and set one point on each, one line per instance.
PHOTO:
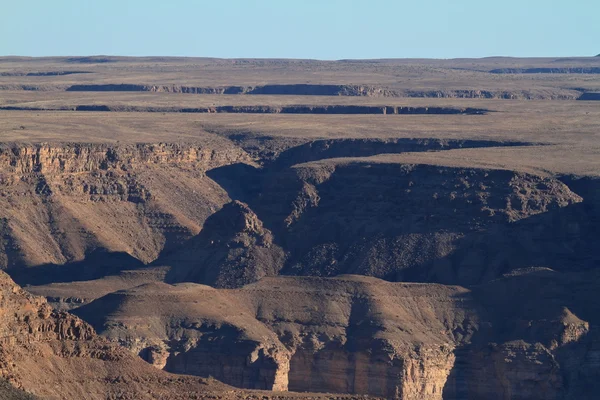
(362, 335)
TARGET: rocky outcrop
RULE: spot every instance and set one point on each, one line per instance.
(566, 70)
(530, 335)
(55, 355)
(294, 109)
(392, 221)
(233, 249)
(348, 335)
(63, 203)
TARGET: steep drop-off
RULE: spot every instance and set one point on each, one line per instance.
(348, 335)
(258, 109)
(399, 222)
(54, 355)
(80, 211)
(528, 335)
(393, 221)
(58, 356)
(66, 203)
(537, 93)
(522, 242)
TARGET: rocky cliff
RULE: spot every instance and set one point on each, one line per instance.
(510, 236)
(347, 335)
(49, 354)
(233, 249)
(318, 90)
(291, 109)
(524, 336)
(66, 203)
(55, 355)
(118, 206)
(393, 221)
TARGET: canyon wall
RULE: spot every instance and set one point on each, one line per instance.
(351, 335)
(534, 93)
(361, 335)
(395, 221)
(64, 203)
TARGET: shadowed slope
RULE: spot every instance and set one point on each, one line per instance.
(350, 335)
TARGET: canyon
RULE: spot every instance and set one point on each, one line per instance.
(201, 228)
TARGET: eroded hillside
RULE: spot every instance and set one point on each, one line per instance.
(362, 335)
(66, 203)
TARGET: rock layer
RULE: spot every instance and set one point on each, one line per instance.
(361, 335)
(348, 335)
(392, 221)
(64, 203)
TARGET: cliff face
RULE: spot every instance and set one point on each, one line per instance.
(350, 335)
(119, 206)
(62, 203)
(292, 109)
(393, 221)
(195, 330)
(511, 236)
(366, 336)
(233, 249)
(55, 355)
(514, 370)
(325, 90)
(69, 158)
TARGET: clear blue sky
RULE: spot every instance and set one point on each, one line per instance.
(323, 29)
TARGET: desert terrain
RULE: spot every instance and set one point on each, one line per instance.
(184, 228)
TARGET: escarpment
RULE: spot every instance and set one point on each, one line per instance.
(376, 217)
(396, 221)
(322, 90)
(55, 355)
(291, 109)
(115, 206)
(349, 335)
(233, 249)
(361, 335)
(64, 203)
(48, 354)
(324, 209)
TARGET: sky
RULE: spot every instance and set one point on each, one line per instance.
(316, 29)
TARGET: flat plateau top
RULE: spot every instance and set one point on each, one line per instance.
(37, 104)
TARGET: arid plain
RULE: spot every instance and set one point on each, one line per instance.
(180, 228)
